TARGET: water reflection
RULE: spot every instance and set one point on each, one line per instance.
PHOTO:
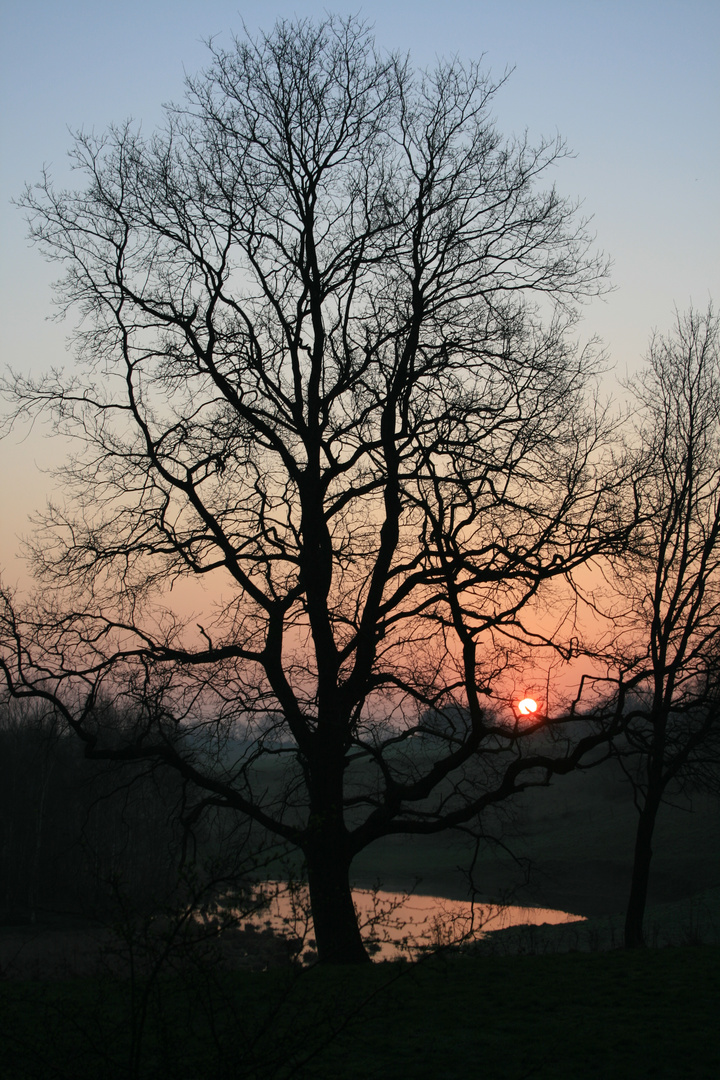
(400, 924)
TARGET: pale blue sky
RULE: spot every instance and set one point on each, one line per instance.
(634, 87)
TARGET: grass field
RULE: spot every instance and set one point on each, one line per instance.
(557, 1003)
(578, 1016)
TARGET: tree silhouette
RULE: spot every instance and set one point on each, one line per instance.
(326, 369)
(669, 653)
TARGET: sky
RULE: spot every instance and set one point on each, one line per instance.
(633, 86)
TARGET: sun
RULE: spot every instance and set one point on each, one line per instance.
(527, 706)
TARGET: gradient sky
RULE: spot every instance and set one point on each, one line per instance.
(633, 85)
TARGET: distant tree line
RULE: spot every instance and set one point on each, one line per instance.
(73, 831)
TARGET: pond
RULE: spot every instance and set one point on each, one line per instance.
(400, 924)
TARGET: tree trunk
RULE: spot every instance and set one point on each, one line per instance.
(634, 937)
(337, 934)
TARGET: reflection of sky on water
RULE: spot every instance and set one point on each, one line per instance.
(399, 924)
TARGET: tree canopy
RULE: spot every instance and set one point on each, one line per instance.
(326, 367)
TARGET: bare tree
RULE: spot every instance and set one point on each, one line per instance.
(313, 376)
(670, 686)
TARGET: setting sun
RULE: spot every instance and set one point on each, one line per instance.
(527, 706)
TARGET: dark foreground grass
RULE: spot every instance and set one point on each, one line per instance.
(645, 1014)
